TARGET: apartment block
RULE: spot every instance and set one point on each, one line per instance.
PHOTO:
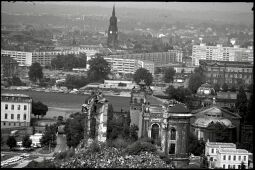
(220, 53)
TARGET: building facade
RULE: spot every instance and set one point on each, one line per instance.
(16, 110)
(230, 72)
(23, 58)
(129, 66)
(220, 53)
(112, 40)
(226, 155)
(159, 58)
(166, 123)
(9, 66)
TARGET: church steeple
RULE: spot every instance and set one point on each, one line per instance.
(112, 41)
(113, 10)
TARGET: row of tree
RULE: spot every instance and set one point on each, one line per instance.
(11, 142)
(70, 61)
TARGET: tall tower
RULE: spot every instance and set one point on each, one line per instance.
(112, 41)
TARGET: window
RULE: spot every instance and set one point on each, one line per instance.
(12, 107)
(212, 150)
(239, 166)
(234, 158)
(234, 166)
(25, 107)
(14, 124)
(228, 166)
(244, 158)
(9, 124)
(223, 166)
(18, 116)
(25, 116)
(173, 134)
(18, 107)
(224, 157)
(172, 148)
(229, 157)
(6, 106)
(6, 116)
(239, 158)
(12, 116)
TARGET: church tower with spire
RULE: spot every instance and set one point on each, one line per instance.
(112, 41)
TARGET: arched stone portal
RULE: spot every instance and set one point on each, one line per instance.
(155, 132)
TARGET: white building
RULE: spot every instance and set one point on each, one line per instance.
(220, 53)
(36, 139)
(225, 155)
(23, 58)
(126, 66)
(232, 158)
(16, 110)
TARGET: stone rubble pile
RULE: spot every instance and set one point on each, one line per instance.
(110, 157)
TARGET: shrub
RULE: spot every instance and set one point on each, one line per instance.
(65, 155)
(94, 147)
(138, 146)
(119, 143)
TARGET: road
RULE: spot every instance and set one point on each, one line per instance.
(61, 144)
(61, 147)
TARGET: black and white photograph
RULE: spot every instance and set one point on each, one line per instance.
(127, 84)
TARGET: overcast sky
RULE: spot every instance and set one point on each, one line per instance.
(202, 6)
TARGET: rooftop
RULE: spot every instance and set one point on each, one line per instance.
(13, 95)
(178, 108)
(219, 144)
(233, 150)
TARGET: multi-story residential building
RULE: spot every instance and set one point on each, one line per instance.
(220, 53)
(126, 66)
(23, 58)
(159, 58)
(232, 73)
(232, 158)
(8, 66)
(16, 110)
(44, 58)
(225, 155)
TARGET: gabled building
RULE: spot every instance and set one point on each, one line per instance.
(215, 124)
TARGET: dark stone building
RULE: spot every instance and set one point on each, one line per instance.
(112, 41)
(232, 73)
(9, 66)
(167, 122)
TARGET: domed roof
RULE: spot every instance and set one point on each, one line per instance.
(205, 122)
(214, 112)
(206, 89)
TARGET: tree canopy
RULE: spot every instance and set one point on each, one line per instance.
(99, 69)
(74, 81)
(180, 94)
(69, 61)
(26, 141)
(74, 129)
(11, 142)
(196, 79)
(35, 72)
(225, 87)
(169, 75)
(143, 74)
(49, 136)
(39, 109)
